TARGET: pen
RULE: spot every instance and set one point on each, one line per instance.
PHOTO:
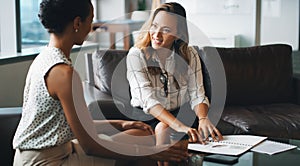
(219, 145)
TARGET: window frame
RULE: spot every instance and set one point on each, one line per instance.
(8, 27)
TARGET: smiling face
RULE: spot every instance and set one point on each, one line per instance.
(163, 30)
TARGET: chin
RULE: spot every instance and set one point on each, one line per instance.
(155, 46)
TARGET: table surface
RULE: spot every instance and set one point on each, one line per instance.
(287, 158)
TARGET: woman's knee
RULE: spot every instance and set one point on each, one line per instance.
(161, 127)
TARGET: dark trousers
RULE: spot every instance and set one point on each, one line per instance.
(184, 114)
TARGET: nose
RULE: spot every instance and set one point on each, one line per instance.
(157, 32)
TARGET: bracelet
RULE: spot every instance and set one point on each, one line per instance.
(202, 118)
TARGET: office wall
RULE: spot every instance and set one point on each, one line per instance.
(13, 75)
(12, 82)
(111, 9)
(279, 20)
(221, 19)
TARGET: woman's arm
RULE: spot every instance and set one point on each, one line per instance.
(199, 101)
(201, 110)
(205, 126)
(195, 81)
(108, 126)
(166, 117)
(141, 88)
(64, 84)
(159, 112)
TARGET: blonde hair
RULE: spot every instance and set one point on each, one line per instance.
(180, 45)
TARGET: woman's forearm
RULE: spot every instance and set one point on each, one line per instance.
(201, 110)
(166, 117)
(105, 126)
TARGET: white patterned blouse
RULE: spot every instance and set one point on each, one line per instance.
(43, 123)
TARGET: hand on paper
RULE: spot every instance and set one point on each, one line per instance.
(206, 129)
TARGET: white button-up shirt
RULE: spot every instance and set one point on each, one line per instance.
(147, 90)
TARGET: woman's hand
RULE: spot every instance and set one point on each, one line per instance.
(136, 125)
(194, 135)
(206, 129)
(169, 153)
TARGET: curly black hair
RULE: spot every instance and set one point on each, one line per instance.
(55, 15)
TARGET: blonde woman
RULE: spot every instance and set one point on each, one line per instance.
(165, 77)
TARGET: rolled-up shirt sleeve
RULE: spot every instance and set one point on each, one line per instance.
(195, 81)
(142, 91)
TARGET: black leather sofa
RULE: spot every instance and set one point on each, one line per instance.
(258, 95)
(9, 120)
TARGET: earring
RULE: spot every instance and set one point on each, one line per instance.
(76, 30)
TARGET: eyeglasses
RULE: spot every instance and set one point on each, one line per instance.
(164, 80)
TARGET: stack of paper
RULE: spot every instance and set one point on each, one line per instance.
(231, 145)
(272, 147)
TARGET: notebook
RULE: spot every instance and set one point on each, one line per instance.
(272, 147)
(230, 145)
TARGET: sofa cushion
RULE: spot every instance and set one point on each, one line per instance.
(280, 120)
(110, 77)
(257, 75)
(104, 64)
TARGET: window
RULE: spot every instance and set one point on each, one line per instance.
(33, 33)
(7, 28)
(20, 27)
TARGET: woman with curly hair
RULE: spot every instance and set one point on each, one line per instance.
(50, 131)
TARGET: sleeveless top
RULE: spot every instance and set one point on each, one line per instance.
(43, 123)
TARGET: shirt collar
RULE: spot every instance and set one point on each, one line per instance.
(170, 58)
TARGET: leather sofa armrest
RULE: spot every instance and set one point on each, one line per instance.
(296, 79)
(9, 120)
(102, 105)
(92, 94)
